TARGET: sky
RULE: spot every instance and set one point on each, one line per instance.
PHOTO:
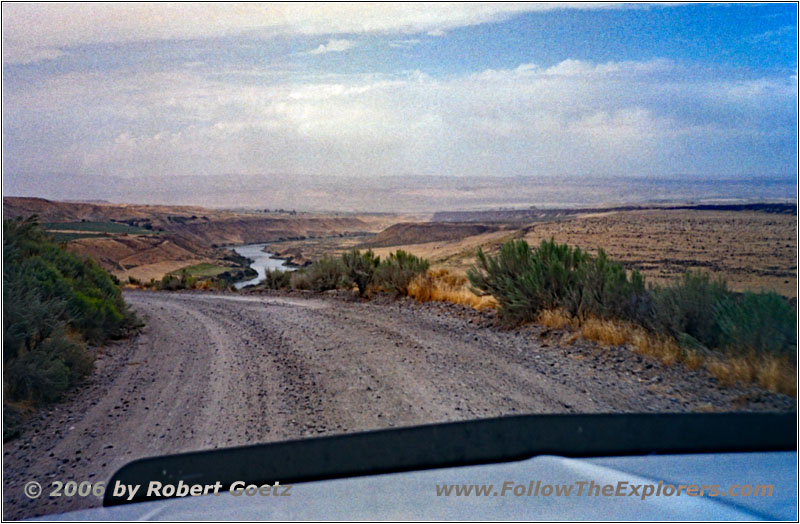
(184, 94)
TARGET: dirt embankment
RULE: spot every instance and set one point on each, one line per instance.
(216, 370)
(250, 230)
(422, 232)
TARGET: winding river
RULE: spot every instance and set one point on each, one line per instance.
(261, 262)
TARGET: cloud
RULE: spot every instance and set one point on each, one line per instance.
(27, 27)
(775, 36)
(333, 46)
(576, 117)
(405, 43)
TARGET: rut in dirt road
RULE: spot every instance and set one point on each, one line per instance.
(218, 370)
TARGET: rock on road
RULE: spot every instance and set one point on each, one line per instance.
(218, 370)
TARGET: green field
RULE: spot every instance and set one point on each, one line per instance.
(97, 227)
(66, 237)
(204, 270)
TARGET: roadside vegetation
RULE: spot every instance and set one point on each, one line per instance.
(54, 304)
(737, 336)
(443, 285)
(363, 271)
(200, 276)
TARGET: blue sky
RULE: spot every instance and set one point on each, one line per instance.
(159, 90)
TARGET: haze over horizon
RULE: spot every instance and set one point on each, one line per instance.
(399, 106)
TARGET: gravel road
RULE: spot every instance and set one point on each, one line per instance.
(217, 370)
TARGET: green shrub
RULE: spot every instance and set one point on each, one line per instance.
(36, 376)
(28, 318)
(607, 291)
(526, 281)
(276, 279)
(300, 280)
(697, 311)
(93, 302)
(359, 268)
(42, 375)
(509, 278)
(703, 315)
(760, 322)
(173, 282)
(169, 282)
(47, 293)
(325, 274)
(687, 306)
(397, 271)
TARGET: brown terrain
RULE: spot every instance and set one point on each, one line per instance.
(184, 236)
(145, 256)
(752, 250)
(418, 233)
(752, 246)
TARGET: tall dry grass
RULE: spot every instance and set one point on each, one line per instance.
(442, 285)
(556, 319)
(772, 372)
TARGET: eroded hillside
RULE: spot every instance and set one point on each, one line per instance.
(145, 242)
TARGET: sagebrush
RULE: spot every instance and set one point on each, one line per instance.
(696, 318)
(53, 303)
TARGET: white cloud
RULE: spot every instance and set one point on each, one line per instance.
(405, 43)
(333, 46)
(773, 36)
(27, 27)
(574, 117)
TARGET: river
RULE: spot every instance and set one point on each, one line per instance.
(261, 262)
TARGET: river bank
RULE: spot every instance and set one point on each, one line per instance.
(261, 261)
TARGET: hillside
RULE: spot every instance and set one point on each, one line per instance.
(245, 229)
(420, 233)
(144, 241)
(207, 226)
(53, 211)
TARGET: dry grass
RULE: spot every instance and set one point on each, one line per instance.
(556, 319)
(771, 372)
(768, 371)
(606, 331)
(616, 333)
(441, 285)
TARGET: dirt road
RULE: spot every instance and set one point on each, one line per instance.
(223, 370)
